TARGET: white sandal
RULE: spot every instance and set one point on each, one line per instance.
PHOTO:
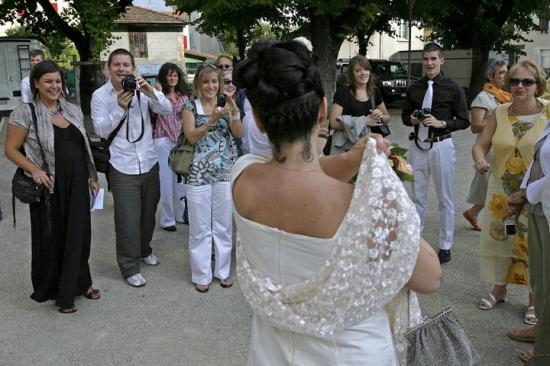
(530, 317)
(485, 304)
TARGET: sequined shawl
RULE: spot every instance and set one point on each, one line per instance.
(372, 260)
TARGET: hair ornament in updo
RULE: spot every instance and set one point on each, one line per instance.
(284, 89)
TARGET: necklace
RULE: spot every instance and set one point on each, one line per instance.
(511, 111)
(297, 169)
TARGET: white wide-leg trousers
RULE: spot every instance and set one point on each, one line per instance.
(439, 162)
(171, 205)
(210, 220)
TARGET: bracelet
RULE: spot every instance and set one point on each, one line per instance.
(235, 116)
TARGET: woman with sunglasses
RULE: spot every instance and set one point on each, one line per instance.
(212, 130)
(224, 62)
(167, 130)
(511, 132)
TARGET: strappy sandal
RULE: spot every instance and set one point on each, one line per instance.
(92, 294)
(488, 304)
(526, 356)
(530, 317)
(226, 282)
(202, 288)
(68, 310)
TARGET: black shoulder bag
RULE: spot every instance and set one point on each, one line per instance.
(23, 187)
(100, 149)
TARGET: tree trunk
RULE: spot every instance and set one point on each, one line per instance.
(326, 40)
(363, 42)
(241, 43)
(480, 56)
(87, 83)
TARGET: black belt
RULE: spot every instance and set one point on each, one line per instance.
(441, 138)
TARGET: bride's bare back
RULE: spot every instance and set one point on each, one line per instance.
(301, 202)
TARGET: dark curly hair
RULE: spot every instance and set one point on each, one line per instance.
(284, 89)
(182, 87)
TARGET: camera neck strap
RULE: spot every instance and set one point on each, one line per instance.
(128, 121)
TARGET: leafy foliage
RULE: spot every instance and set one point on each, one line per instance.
(88, 24)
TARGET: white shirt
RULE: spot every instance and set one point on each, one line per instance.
(128, 157)
(254, 141)
(26, 94)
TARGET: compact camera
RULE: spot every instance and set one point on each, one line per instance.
(220, 101)
(510, 227)
(422, 114)
(129, 83)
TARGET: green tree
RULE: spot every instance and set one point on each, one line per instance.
(325, 22)
(87, 24)
(480, 25)
(236, 21)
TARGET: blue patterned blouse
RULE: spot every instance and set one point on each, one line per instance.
(214, 154)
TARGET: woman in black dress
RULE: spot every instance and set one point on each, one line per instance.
(358, 98)
(60, 224)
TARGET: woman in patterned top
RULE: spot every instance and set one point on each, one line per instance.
(167, 130)
(212, 130)
(511, 132)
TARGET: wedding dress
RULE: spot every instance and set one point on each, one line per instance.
(336, 301)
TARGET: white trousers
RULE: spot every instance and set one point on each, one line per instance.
(439, 162)
(210, 220)
(171, 205)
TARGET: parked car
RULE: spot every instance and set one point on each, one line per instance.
(389, 76)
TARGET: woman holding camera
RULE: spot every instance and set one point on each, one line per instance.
(60, 224)
(359, 98)
(171, 82)
(511, 132)
(211, 123)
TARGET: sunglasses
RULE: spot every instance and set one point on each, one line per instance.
(206, 64)
(228, 82)
(225, 66)
(524, 82)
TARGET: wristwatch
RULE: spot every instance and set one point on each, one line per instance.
(444, 124)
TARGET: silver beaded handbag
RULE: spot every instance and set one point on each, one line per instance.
(440, 340)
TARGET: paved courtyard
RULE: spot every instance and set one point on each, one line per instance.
(167, 322)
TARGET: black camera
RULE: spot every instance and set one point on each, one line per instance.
(129, 83)
(510, 227)
(422, 114)
(220, 101)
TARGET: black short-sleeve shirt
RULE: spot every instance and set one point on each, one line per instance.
(353, 107)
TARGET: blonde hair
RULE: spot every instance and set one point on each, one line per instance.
(534, 69)
(203, 69)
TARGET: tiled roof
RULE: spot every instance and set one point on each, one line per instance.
(181, 16)
(137, 15)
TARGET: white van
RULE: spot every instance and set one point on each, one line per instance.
(15, 61)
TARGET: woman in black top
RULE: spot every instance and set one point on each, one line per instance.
(359, 98)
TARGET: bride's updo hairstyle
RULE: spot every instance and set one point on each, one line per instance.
(284, 89)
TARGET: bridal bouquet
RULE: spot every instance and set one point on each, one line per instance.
(398, 161)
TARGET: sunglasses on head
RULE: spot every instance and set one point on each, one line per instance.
(227, 81)
(225, 66)
(524, 82)
(206, 64)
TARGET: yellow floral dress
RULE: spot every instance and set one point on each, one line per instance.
(503, 258)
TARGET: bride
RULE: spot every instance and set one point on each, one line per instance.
(321, 261)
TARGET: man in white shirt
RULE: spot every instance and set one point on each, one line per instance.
(133, 170)
(36, 56)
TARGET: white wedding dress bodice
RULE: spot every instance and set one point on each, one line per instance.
(322, 301)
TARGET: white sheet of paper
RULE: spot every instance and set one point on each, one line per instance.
(97, 201)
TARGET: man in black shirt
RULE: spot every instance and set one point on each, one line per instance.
(435, 106)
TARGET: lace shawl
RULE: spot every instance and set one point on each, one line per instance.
(372, 260)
